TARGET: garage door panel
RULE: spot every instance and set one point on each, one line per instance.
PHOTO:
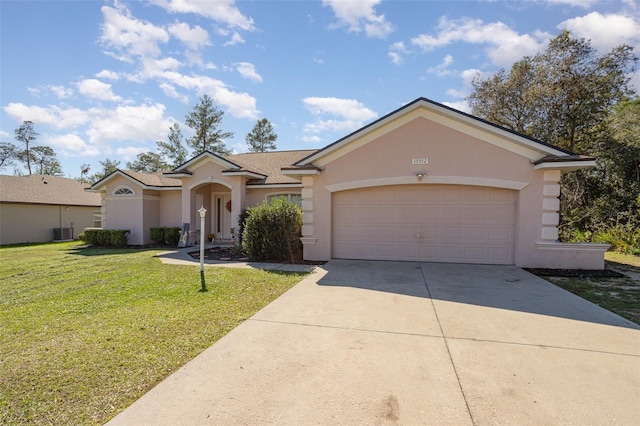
(440, 223)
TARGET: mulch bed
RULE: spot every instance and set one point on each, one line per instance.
(598, 273)
(229, 254)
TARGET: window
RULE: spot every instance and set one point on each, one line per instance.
(97, 219)
(291, 198)
(123, 190)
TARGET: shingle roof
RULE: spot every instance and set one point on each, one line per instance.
(41, 189)
(270, 164)
(153, 179)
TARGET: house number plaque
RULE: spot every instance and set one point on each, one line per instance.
(420, 161)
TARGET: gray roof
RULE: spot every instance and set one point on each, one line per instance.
(270, 164)
(41, 189)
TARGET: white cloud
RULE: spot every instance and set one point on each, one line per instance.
(171, 91)
(134, 123)
(605, 31)
(72, 145)
(236, 38)
(396, 51)
(459, 105)
(467, 77)
(248, 71)
(194, 38)
(109, 75)
(360, 16)
(96, 89)
(505, 46)
(61, 92)
(35, 91)
(351, 114)
(129, 153)
(54, 116)
(130, 36)
(442, 69)
(222, 11)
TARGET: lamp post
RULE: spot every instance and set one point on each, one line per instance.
(202, 212)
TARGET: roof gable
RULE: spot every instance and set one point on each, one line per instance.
(430, 110)
(155, 181)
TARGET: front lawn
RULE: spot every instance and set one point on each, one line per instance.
(85, 332)
(619, 295)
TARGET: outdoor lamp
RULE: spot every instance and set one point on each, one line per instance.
(203, 213)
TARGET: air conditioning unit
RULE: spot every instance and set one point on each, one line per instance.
(61, 234)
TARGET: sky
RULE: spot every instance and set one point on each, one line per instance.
(107, 79)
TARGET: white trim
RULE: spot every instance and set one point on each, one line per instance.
(300, 172)
(438, 114)
(243, 173)
(127, 187)
(209, 180)
(572, 246)
(566, 166)
(274, 185)
(413, 180)
(132, 197)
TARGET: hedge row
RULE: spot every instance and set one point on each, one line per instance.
(166, 235)
(106, 237)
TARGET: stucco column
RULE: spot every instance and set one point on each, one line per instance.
(307, 211)
(237, 199)
(550, 205)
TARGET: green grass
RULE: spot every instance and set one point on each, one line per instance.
(618, 295)
(85, 332)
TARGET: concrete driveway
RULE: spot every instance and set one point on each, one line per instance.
(362, 342)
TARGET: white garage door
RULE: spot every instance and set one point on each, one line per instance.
(432, 223)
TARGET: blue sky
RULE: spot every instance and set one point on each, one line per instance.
(107, 79)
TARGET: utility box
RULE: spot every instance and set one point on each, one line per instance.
(61, 234)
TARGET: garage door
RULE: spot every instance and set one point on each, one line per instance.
(432, 223)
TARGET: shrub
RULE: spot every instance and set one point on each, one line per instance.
(165, 235)
(272, 232)
(624, 239)
(105, 237)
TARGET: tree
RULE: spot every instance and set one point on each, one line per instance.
(45, 161)
(8, 153)
(108, 167)
(26, 134)
(262, 137)
(573, 97)
(558, 96)
(148, 162)
(204, 120)
(173, 149)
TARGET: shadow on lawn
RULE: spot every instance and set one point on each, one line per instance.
(90, 250)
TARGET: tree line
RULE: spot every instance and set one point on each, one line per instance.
(204, 119)
(576, 98)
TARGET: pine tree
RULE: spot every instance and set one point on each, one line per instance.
(262, 137)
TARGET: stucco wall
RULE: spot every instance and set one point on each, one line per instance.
(125, 211)
(450, 154)
(23, 223)
(170, 209)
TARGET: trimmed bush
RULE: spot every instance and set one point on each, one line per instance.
(166, 235)
(105, 237)
(272, 232)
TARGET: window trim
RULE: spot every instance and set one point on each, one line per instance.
(123, 188)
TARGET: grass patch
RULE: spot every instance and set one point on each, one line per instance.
(618, 295)
(86, 332)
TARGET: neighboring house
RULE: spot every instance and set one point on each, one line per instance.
(32, 207)
(423, 183)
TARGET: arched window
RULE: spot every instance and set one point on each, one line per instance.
(123, 190)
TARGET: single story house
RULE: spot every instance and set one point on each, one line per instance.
(39, 208)
(423, 183)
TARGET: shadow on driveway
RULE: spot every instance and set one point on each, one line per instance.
(493, 286)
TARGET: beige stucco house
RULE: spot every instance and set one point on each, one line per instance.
(40, 208)
(423, 183)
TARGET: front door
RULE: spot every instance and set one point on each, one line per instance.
(221, 216)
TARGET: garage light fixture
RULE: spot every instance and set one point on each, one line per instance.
(420, 175)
